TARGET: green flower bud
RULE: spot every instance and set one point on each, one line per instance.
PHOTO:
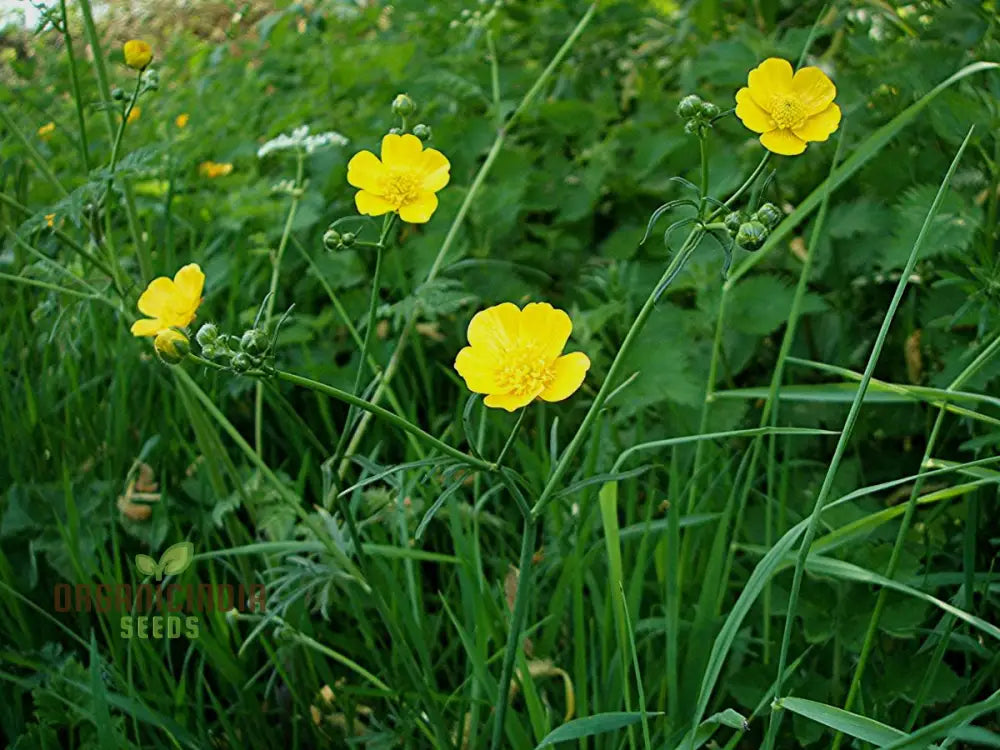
(207, 335)
(423, 132)
(117, 94)
(403, 106)
(171, 346)
(769, 215)
(331, 239)
(347, 239)
(209, 351)
(689, 106)
(733, 221)
(709, 110)
(751, 235)
(395, 131)
(241, 362)
(254, 342)
(692, 127)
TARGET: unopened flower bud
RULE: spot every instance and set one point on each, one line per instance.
(331, 239)
(254, 342)
(692, 127)
(117, 94)
(423, 132)
(395, 131)
(769, 215)
(207, 335)
(403, 106)
(241, 362)
(689, 107)
(709, 110)
(210, 351)
(151, 80)
(733, 221)
(347, 239)
(751, 235)
(171, 346)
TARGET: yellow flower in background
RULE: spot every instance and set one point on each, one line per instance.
(788, 110)
(134, 114)
(515, 356)
(170, 303)
(45, 132)
(405, 180)
(182, 120)
(171, 346)
(138, 53)
(50, 220)
(213, 169)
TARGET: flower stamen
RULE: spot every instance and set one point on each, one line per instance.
(787, 112)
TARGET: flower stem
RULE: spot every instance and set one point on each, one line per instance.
(385, 414)
(258, 412)
(513, 434)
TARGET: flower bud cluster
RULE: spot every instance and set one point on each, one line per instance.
(334, 240)
(404, 108)
(698, 113)
(240, 353)
(751, 232)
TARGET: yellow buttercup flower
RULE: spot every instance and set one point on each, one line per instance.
(213, 169)
(788, 110)
(45, 132)
(182, 120)
(170, 303)
(405, 180)
(138, 53)
(50, 220)
(134, 114)
(515, 356)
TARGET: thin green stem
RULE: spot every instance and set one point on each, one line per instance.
(384, 414)
(524, 586)
(510, 438)
(75, 83)
(703, 148)
(845, 435)
(116, 147)
(258, 411)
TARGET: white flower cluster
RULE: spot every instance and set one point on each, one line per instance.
(300, 140)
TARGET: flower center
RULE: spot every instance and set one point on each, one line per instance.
(525, 372)
(787, 112)
(400, 187)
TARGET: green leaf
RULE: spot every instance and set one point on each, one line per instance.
(176, 558)
(145, 564)
(591, 725)
(840, 720)
(704, 731)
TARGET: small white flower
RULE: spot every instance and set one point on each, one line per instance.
(300, 140)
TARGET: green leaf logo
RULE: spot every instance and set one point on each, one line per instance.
(175, 560)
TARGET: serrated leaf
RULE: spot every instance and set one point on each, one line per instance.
(176, 558)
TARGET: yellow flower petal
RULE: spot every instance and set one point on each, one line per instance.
(814, 90)
(510, 401)
(138, 53)
(371, 204)
(773, 76)
(543, 325)
(478, 370)
(819, 127)
(420, 210)
(436, 169)
(751, 115)
(189, 282)
(147, 327)
(570, 370)
(783, 142)
(365, 171)
(157, 300)
(401, 150)
(495, 328)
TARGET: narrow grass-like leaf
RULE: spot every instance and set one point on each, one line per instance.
(592, 725)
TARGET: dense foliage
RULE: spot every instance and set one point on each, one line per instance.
(644, 574)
